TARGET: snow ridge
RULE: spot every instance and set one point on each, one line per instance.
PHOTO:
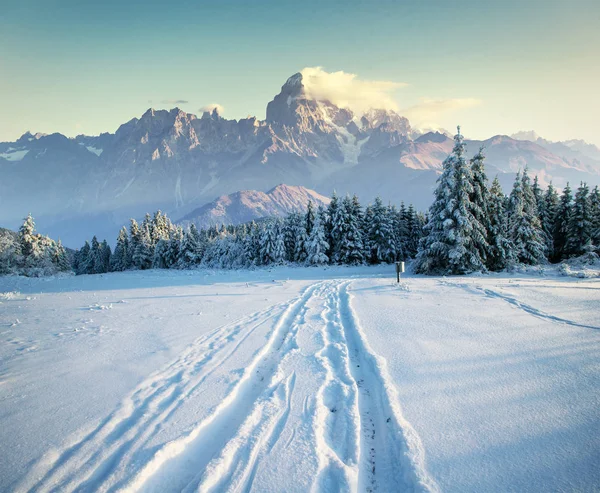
(522, 306)
(98, 459)
(391, 450)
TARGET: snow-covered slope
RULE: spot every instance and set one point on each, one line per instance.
(248, 205)
(299, 379)
(177, 162)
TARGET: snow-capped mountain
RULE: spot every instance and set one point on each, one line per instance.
(176, 161)
(249, 205)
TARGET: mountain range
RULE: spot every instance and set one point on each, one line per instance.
(178, 162)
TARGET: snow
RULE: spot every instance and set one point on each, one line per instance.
(292, 379)
(94, 150)
(12, 154)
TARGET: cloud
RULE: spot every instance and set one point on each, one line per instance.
(212, 106)
(426, 114)
(348, 91)
(174, 101)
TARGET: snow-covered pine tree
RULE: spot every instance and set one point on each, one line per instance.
(501, 253)
(365, 227)
(267, 240)
(334, 226)
(401, 232)
(380, 234)
(453, 233)
(279, 252)
(29, 243)
(119, 258)
(524, 225)
(160, 227)
(538, 195)
(580, 224)
(60, 258)
(317, 245)
(547, 208)
(134, 239)
(84, 262)
(350, 249)
(398, 229)
(298, 232)
(174, 248)
(310, 217)
(159, 260)
(595, 212)
(250, 246)
(95, 257)
(105, 255)
(480, 199)
(414, 226)
(144, 253)
(188, 256)
(434, 248)
(561, 224)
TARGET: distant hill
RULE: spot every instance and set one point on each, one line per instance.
(249, 205)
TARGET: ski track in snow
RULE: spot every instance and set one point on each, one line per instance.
(361, 440)
(520, 305)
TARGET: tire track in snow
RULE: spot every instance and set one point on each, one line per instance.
(185, 463)
(520, 305)
(94, 461)
(337, 419)
(391, 455)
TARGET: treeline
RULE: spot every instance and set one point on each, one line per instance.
(31, 254)
(342, 233)
(470, 227)
(473, 227)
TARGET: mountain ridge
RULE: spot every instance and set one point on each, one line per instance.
(177, 161)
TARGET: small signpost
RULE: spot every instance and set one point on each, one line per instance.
(399, 270)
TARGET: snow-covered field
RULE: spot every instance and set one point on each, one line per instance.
(299, 379)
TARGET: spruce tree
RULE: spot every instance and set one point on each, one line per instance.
(188, 255)
(480, 199)
(29, 242)
(279, 252)
(105, 255)
(160, 258)
(84, 262)
(310, 217)
(580, 224)
(333, 227)
(453, 233)
(380, 235)
(134, 240)
(144, 252)
(317, 245)
(547, 209)
(96, 260)
(501, 249)
(561, 225)
(524, 226)
(173, 253)
(351, 247)
(595, 213)
(120, 257)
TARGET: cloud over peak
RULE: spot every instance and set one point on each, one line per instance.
(211, 107)
(346, 90)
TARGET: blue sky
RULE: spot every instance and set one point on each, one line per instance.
(494, 67)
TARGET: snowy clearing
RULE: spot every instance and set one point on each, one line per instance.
(299, 379)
